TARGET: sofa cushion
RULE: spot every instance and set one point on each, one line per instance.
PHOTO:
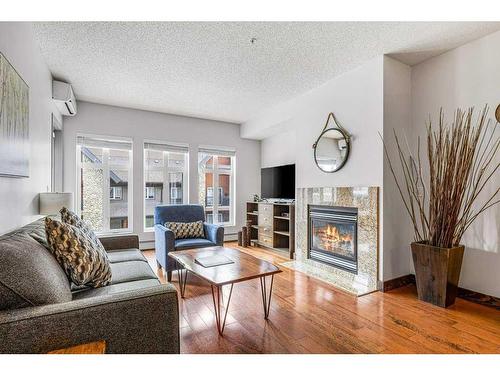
(131, 271)
(186, 230)
(116, 256)
(83, 262)
(116, 288)
(125, 255)
(189, 243)
(69, 217)
(29, 273)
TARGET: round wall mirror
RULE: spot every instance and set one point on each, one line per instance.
(332, 150)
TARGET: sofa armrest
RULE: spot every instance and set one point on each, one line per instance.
(120, 242)
(214, 233)
(164, 243)
(164, 237)
(140, 321)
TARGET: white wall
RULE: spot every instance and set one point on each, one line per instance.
(397, 235)
(140, 125)
(279, 149)
(380, 96)
(290, 129)
(19, 196)
(464, 77)
(356, 98)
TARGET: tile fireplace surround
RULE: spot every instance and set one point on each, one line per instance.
(366, 200)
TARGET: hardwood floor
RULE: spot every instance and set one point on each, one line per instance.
(310, 316)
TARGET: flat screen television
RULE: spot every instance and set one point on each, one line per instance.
(278, 182)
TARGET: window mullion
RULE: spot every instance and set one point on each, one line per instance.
(130, 191)
(232, 181)
(185, 180)
(79, 168)
(216, 189)
(231, 191)
(106, 189)
(166, 186)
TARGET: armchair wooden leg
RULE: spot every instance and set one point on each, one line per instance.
(158, 265)
(169, 276)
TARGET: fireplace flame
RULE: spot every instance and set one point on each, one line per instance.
(330, 237)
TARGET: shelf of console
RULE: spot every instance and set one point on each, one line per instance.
(272, 225)
(283, 250)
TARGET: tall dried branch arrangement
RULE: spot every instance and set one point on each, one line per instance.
(462, 160)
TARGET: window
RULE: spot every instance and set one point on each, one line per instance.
(216, 169)
(53, 158)
(105, 183)
(175, 194)
(115, 192)
(165, 177)
(150, 192)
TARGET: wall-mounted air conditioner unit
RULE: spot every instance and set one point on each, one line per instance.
(64, 98)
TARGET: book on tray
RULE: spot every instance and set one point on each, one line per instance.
(213, 260)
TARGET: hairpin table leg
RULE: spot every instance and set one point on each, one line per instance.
(266, 298)
(182, 274)
(216, 297)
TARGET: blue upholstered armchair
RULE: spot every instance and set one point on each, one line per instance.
(165, 240)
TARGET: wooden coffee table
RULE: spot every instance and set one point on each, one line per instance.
(245, 267)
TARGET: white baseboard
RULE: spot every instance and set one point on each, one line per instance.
(147, 245)
(231, 237)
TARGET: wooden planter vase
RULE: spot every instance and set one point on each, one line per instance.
(437, 271)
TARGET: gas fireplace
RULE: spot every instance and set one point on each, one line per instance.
(332, 236)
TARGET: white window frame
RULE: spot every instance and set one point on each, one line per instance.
(106, 186)
(185, 181)
(149, 193)
(176, 191)
(211, 195)
(115, 190)
(166, 183)
(216, 172)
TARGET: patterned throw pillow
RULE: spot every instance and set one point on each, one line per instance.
(71, 218)
(75, 252)
(186, 230)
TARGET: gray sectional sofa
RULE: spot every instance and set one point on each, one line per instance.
(41, 311)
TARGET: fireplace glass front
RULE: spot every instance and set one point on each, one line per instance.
(332, 236)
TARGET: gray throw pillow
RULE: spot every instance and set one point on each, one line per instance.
(83, 263)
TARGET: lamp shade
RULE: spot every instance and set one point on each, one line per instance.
(51, 203)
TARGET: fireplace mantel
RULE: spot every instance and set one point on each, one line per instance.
(365, 201)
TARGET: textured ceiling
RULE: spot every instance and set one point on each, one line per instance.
(211, 70)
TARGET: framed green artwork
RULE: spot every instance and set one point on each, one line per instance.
(14, 122)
